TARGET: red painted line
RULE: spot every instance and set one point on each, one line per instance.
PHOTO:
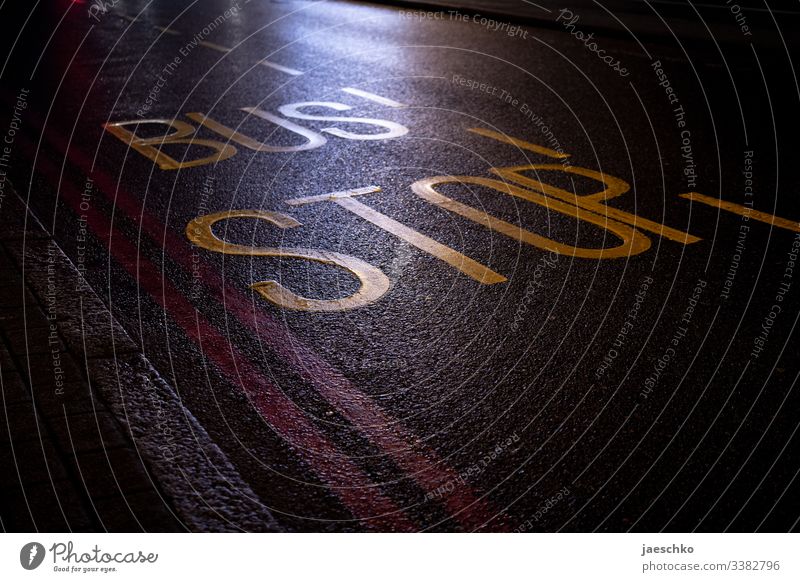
(347, 481)
(419, 461)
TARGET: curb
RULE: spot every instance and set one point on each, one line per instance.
(61, 336)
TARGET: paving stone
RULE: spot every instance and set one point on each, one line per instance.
(88, 452)
(52, 276)
(87, 431)
(7, 364)
(18, 320)
(19, 423)
(73, 398)
(144, 511)
(15, 296)
(7, 264)
(9, 317)
(169, 438)
(13, 389)
(45, 507)
(50, 371)
(73, 296)
(95, 335)
(108, 472)
(30, 462)
(9, 268)
(10, 278)
(17, 221)
(36, 339)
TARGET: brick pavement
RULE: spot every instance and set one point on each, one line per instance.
(66, 462)
(92, 438)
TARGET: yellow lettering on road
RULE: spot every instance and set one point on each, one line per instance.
(293, 110)
(614, 187)
(346, 200)
(374, 284)
(792, 225)
(592, 202)
(313, 139)
(632, 241)
(151, 147)
(520, 143)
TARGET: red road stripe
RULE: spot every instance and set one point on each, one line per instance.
(349, 483)
(420, 462)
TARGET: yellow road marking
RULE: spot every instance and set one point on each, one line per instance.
(743, 211)
(633, 242)
(374, 284)
(520, 143)
(151, 146)
(593, 202)
(312, 139)
(463, 263)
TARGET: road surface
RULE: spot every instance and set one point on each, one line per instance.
(423, 268)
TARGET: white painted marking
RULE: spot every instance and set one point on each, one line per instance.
(333, 195)
(216, 47)
(281, 68)
(372, 97)
(167, 30)
(265, 62)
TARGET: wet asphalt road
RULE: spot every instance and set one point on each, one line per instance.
(649, 386)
